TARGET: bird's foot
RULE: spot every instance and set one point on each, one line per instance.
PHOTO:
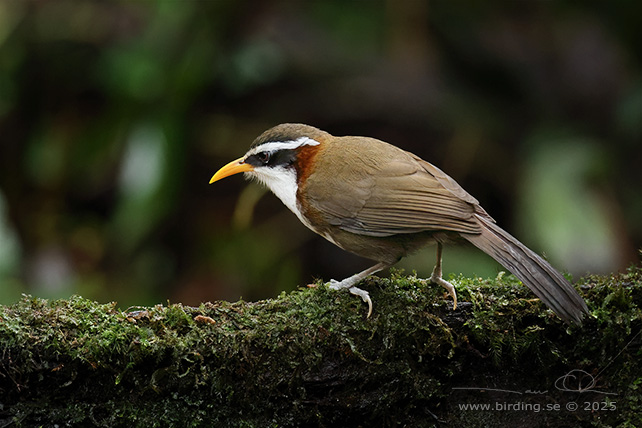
(364, 296)
(339, 285)
(447, 285)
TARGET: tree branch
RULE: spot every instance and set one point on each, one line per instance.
(311, 358)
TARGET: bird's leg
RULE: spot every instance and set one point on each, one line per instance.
(436, 278)
(351, 281)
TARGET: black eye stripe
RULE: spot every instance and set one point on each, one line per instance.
(272, 159)
(258, 159)
(282, 157)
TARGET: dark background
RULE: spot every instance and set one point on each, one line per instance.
(114, 115)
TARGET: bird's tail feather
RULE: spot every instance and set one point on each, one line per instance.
(535, 272)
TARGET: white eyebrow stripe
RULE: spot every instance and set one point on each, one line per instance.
(283, 145)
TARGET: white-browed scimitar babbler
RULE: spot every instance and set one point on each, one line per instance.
(382, 203)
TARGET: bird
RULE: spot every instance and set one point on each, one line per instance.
(380, 202)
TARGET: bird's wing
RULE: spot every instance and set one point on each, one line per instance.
(389, 191)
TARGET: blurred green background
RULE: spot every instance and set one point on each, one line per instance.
(114, 115)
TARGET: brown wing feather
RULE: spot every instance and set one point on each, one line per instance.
(387, 191)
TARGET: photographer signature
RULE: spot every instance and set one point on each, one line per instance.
(576, 380)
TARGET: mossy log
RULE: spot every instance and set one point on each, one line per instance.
(311, 358)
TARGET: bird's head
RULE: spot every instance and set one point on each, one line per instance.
(279, 158)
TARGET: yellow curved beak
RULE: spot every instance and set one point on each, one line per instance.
(232, 168)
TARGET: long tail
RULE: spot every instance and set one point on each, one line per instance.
(535, 272)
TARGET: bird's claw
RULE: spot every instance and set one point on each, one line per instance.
(339, 285)
(364, 296)
(336, 285)
(448, 286)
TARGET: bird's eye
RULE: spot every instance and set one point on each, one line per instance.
(263, 157)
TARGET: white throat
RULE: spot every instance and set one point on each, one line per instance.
(282, 182)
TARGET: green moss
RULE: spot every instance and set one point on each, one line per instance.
(310, 357)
